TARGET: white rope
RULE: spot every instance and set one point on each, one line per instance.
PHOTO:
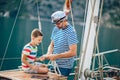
(70, 10)
(72, 15)
(55, 67)
(10, 35)
(39, 21)
(100, 58)
(40, 26)
(9, 58)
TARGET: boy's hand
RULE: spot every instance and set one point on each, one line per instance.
(42, 58)
(34, 67)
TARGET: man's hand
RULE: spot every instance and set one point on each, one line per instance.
(52, 57)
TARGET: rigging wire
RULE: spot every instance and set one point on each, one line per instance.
(10, 35)
(10, 58)
(68, 8)
(39, 24)
(96, 41)
(81, 43)
(39, 21)
(72, 16)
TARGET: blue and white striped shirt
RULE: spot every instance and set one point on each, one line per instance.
(63, 38)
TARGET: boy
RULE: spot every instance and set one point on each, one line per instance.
(29, 54)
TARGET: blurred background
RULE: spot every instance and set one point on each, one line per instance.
(19, 17)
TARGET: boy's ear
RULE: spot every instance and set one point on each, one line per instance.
(32, 38)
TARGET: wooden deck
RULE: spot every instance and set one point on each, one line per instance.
(20, 75)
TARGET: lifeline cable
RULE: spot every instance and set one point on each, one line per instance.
(10, 35)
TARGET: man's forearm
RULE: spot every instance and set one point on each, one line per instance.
(50, 48)
(65, 55)
(72, 52)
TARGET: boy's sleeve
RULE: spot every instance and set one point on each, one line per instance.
(26, 50)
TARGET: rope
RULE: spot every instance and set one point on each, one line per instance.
(55, 66)
(72, 16)
(40, 25)
(96, 46)
(10, 35)
(9, 58)
(39, 21)
(86, 7)
(67, 8)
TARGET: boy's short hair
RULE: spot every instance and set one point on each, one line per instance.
(36, 32)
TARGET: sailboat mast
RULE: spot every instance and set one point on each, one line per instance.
(89, 38)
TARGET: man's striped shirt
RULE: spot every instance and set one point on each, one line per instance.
(63, 38)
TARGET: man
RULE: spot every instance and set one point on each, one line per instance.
(29, 54)
(63, 46)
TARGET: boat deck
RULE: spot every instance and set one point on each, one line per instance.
(20, 75)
